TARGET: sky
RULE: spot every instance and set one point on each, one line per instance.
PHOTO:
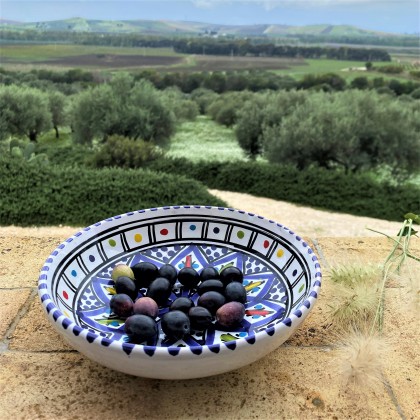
(400, 16)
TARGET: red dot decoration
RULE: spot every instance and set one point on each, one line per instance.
(266, 244)
(164, 231)
(65, 294)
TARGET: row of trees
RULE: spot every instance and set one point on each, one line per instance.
(121, 107)
(141, 40)
(246, 47)
(353, 129)
(75, 80)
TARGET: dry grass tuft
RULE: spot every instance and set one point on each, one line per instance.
(361, 356)
(356, 295)
(354, 274)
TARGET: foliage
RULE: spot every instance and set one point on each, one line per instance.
(57, 106)
(121, 107)
(77, 197)
(353, 129)
(119, 151)
(24, 112)
(357, 194)
(184, 108)
(260, 113)
(224, 109)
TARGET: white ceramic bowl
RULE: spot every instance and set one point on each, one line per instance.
(282, 277)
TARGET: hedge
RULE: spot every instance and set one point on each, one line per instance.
(357, 194)
(76, 196)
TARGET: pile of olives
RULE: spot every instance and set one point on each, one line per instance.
(221, 296)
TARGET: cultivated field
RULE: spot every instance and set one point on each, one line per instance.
(23, 57)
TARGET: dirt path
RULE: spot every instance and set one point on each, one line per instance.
(303, 220)
(307, 221)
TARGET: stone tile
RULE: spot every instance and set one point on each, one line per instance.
(35, 333)
(21, 260)
(287, 384)
(11, 302)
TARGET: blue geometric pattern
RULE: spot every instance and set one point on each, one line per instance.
(266, 291)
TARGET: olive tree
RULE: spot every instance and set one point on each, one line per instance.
(24, 111)
(262, 111)
(122, 107)
(354, 130)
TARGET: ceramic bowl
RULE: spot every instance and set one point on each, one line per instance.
(282, 277)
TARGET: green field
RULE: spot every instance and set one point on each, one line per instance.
(41, 52)
(204, 139)
(346, 69)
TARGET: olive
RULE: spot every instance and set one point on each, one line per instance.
(235, 292)
(122, 305)
(208, 273)
(231, 273)
(230, 314)
(188, 277)
(175, 324)
(210, 285)
(146, 306)
(140, 328)
(211, 301)
(144, 273)
(200, 318)
(169, 272)
(182, 303)
(127, 286)
(159, 290)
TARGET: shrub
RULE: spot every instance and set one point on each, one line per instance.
(52, 195)
(356, 194)
(125, 153)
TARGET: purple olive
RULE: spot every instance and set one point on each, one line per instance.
(122, 305)
(230, 314)
(146, 306)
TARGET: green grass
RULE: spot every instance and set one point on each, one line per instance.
(42, 52)
(204, 139)
(346, 69)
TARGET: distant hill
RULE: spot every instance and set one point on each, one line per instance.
(165, 27)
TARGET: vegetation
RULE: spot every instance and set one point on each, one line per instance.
(358, 194)
(324, 140)
(78, 196)
(121, 107)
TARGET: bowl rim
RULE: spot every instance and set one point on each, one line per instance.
(67, 326)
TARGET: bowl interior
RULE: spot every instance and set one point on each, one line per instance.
(279, 267)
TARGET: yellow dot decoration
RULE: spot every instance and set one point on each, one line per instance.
(112, 242)
(280, 253)
(138, 237)
(66, 314)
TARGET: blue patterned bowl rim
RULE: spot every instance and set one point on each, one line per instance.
(66, 324)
